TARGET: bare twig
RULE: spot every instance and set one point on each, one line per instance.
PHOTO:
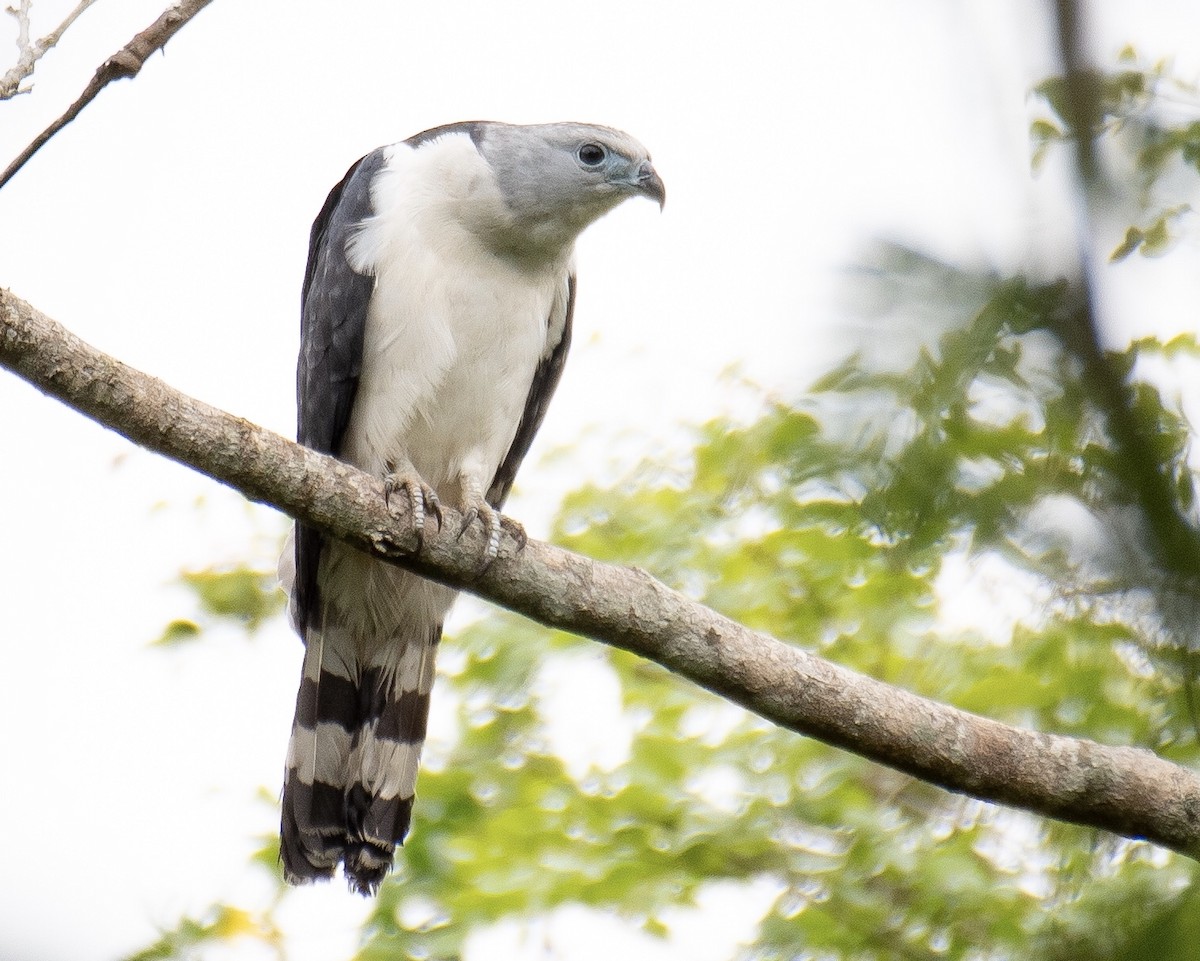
(1125, 790)
(20, 13)
(10, 83)
(32, 52)
(126, 62)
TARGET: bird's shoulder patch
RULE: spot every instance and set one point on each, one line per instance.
(472, 128)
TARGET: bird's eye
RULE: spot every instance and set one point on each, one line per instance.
(591, 155)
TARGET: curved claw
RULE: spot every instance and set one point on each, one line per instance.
(422, 499)
(493, 522)
(516, 530)
(433, 505)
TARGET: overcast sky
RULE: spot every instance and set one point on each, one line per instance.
(168, 226)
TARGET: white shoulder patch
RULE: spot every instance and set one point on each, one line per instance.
(442, 193)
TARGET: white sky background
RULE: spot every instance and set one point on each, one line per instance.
(168, 225)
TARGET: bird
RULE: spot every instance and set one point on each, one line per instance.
(436, 315)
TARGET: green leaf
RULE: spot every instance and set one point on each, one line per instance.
(177, 632)
(240, 594)
(1133, 239)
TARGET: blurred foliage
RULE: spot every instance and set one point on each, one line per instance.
(243, 595)
(222, 924)
(958, 457)
(1149, 121)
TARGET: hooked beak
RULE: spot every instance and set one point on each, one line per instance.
(650, 184)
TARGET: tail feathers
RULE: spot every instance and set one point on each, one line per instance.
(353, 757)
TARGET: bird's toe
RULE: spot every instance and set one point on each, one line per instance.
(422, 499)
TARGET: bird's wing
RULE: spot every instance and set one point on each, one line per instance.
(333, 322)
(545, 380)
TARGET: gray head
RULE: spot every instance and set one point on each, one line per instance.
(557, 178)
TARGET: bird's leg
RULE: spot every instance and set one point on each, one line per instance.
(423, 499)
(475, 506)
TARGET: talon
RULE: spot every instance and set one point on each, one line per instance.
(475, 506)
(434, 505)
(516, 530)
(493, 521)
(422, 498)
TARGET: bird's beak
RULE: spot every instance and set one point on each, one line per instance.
(650, 184)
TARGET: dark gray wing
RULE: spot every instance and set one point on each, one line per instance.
(334, 302)
(545, 380)
(333, 321)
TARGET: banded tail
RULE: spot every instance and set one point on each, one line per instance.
(352, 762)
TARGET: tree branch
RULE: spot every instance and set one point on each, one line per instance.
(1174, 540)
(1125, 790)
(30, 52)
(26, 57)
(126, 62)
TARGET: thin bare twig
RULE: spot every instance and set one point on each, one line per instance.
(21, 14)
(10, 83)
(126, 62)
(32, 52)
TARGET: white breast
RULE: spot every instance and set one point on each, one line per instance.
(454, 333)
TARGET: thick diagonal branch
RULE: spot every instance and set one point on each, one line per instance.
(1124, 790)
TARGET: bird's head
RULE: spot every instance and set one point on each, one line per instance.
(558, 178)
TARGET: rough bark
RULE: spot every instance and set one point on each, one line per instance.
(1124, 790)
